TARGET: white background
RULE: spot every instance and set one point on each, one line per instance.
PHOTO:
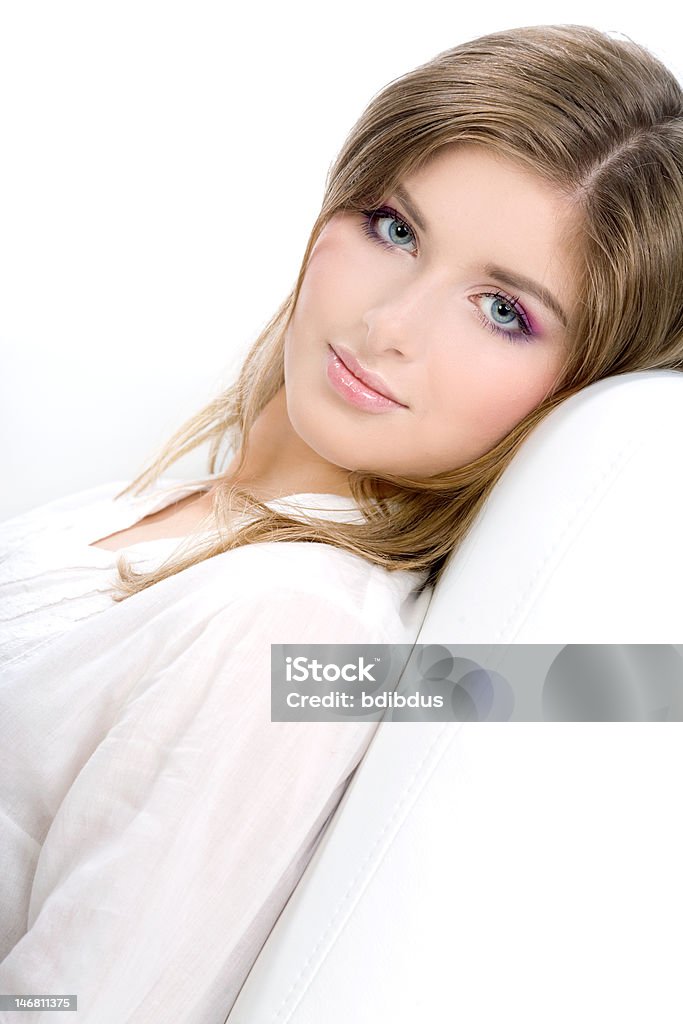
(161, 168)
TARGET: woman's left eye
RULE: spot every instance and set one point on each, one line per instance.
(511, 307)
(396, 229)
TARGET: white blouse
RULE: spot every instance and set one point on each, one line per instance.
(153, 819)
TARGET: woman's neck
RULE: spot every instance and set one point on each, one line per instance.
(279, 462)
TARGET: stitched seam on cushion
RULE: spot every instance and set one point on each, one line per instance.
(571, 530)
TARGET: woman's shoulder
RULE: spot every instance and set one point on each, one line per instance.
(306, 575)
(310, 573)
(312, 566)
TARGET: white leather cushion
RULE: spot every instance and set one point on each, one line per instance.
(579, 541)
(479, 873)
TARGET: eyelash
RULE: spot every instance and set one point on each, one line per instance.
(524, 334)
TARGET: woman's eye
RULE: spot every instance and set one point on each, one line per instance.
(385, 226)
(501, 313)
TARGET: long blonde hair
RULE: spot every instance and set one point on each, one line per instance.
(601, 120)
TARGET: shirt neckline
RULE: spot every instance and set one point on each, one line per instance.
(171, 490)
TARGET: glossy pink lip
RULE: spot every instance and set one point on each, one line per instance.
(353, 390)
(372, 380)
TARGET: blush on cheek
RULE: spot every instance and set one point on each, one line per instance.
(487, 416)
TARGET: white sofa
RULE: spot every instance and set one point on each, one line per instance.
(486, 872)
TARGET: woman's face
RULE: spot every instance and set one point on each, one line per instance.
(466, 352)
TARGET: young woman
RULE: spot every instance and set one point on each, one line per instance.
(502, 227)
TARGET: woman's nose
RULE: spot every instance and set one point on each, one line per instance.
(403, 318)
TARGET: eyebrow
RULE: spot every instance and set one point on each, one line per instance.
(507, 277)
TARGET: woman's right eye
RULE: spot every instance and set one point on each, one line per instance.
(396, 229)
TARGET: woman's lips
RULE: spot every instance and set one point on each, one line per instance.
(354, 390)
